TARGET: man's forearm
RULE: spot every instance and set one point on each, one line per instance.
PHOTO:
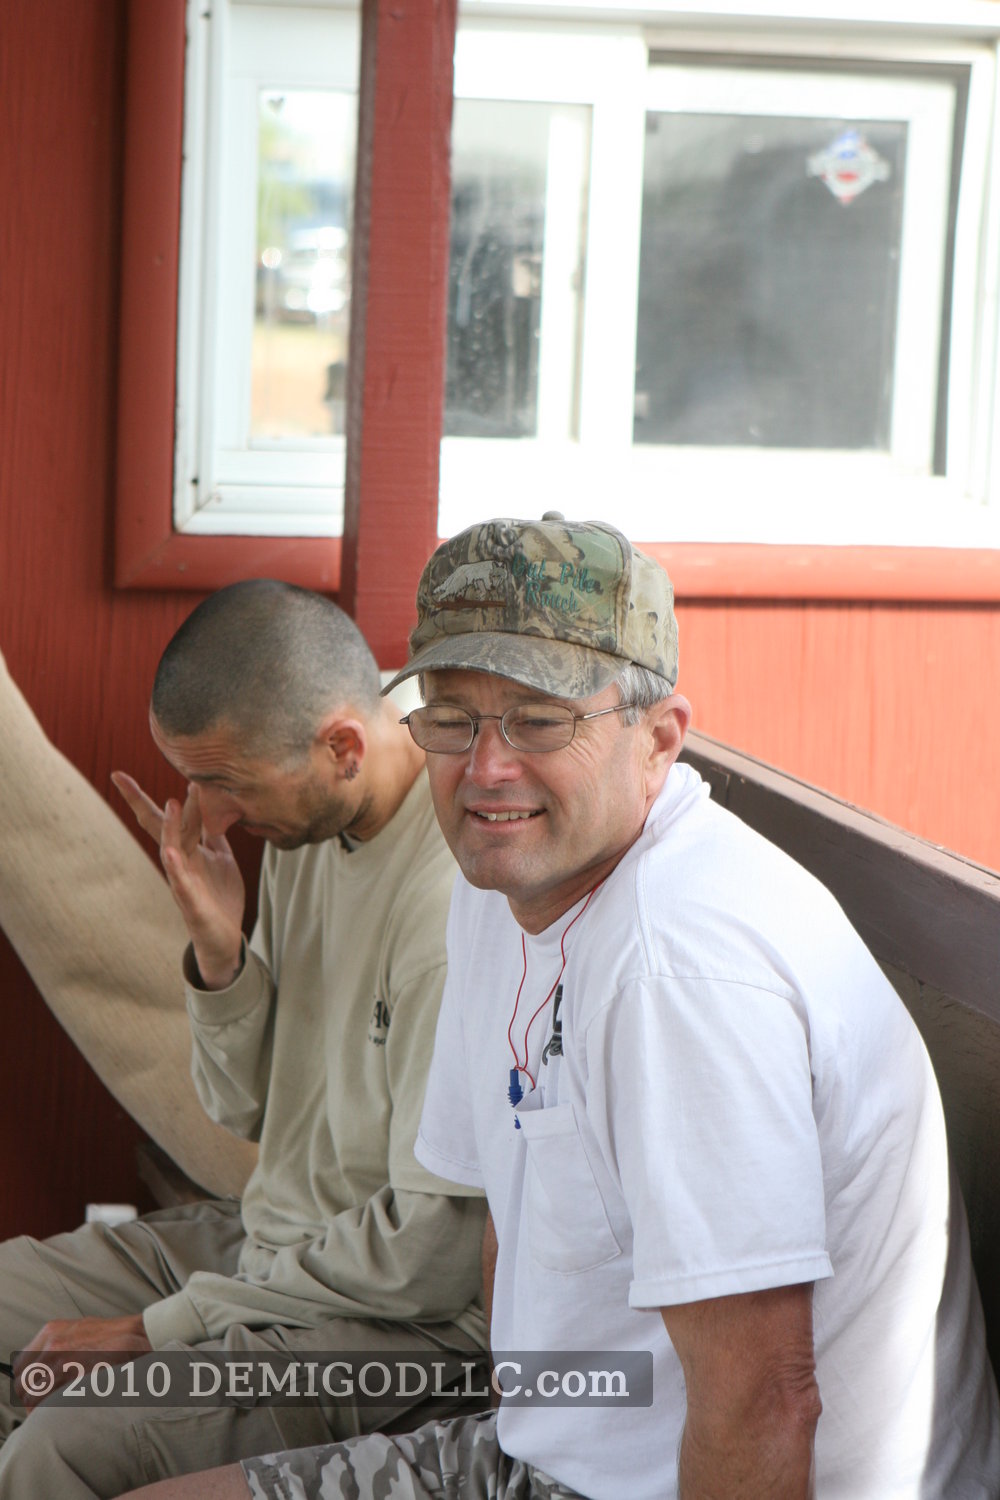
(405, 1256)
(772, 1457)
(231, 1035)
(423, 1249)
(752, 1395)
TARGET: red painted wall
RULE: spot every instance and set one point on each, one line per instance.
(892, 706)
(83, 653)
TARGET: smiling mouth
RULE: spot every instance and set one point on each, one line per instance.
(504, 817)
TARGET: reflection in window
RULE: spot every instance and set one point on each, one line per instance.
(304, 188)
(515, 277)
(518, 187)
(768, 290)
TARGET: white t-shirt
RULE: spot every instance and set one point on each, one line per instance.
(741, 1102)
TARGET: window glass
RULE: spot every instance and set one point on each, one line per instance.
(515, 267)
(769, 281)
(502, 173)
(305, 171)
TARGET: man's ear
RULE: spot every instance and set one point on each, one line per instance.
(667, 722)
(345, 740)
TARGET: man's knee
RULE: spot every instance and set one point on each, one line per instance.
(72, 1454)
(216, 1484)
(101, 1452)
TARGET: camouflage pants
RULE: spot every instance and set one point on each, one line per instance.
(456, 1460)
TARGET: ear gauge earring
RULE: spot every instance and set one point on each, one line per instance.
(351, 770)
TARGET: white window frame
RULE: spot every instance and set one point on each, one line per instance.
(597, 55)
(223, 481)
(752, 494)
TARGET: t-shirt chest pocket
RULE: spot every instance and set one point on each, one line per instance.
(566, 1221)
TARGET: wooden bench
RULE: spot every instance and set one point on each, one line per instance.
(932, 920)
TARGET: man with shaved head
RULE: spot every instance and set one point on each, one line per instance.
(313, 1040)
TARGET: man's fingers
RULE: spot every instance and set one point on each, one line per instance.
(171, 825)
(65, 1347)
(147, 814)
(178, 843)
(188, 892)
(37, 1341)
(190, 823)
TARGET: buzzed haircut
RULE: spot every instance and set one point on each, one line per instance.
(267, 660)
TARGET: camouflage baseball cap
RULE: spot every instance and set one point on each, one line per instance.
(558, 605)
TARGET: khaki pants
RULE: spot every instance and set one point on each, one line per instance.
(64, 1453)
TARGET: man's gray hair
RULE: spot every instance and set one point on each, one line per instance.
(642, 688)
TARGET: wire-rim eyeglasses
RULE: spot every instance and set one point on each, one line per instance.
(536, 728)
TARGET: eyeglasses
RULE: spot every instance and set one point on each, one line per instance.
(535, 727)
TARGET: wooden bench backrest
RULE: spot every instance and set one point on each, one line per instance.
(932, 920)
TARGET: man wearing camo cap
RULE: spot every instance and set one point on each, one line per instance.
(707, 1129)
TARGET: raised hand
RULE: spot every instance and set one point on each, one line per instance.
(203, 876)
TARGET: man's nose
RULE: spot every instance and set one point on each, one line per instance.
(219, 810)
(491, 758)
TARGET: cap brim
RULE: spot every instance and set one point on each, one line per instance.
(557, 667)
